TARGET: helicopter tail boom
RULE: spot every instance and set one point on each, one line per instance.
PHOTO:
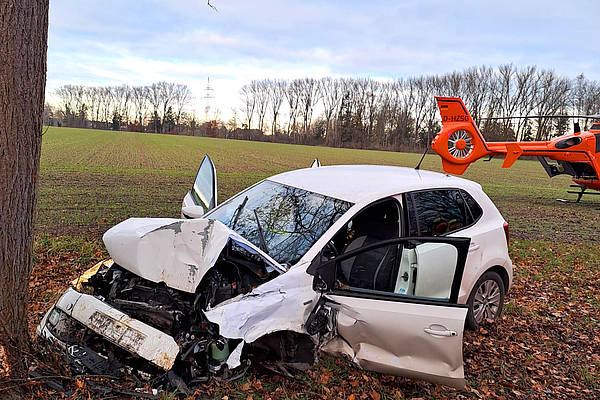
(460, 142)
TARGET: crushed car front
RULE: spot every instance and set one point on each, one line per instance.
(185, 296)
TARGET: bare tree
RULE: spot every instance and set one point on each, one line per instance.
(140, 100)
(122, 99)
(167, 96)
(261, 94)
(66, 99)
(476, 90)
(182, 98)
(551, 97)
(92, 101)
(292, 95)
(393, 115)
(154, 98)
(276, 90)
(371, 109)
(585, 97)
(419, 91)
(107, 101)
(79, 97)
(309, 96)
(332, 92)
(249, 99)
(511, 88)
(434, 85)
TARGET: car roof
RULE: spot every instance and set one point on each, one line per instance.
(365, 183)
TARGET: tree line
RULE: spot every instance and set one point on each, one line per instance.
(403, 114)
(159, 107)
(347, 112)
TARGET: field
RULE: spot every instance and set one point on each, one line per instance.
(546, 346)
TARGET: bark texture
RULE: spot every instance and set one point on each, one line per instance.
(23, 42)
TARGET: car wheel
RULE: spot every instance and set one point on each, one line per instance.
(486, 299)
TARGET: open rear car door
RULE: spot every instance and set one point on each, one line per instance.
(203, 195)
(393, 306)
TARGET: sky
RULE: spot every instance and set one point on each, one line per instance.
(112, 42)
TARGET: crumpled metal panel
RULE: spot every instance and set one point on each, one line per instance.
(85, 277)
(177, 252)
(282, 304)
(388, 337)
(120, 329)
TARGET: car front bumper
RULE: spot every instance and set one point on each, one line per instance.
(113, 325)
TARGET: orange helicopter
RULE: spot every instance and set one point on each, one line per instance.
(460, 143)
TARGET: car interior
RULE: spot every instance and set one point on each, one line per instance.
(393, 268)
(371, 269)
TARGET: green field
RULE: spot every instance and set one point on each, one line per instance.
(91, 180)
(546, 346)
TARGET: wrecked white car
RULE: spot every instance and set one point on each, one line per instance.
(349, 260)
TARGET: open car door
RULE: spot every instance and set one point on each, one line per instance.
(203, 195)
(393, 305)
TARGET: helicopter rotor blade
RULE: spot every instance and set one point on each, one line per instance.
(542, 116)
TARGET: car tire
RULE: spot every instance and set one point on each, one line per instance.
(486, 299)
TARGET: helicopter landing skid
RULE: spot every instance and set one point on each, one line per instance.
(579, 194)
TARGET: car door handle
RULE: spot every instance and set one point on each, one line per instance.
(473, 247)
(445, 333)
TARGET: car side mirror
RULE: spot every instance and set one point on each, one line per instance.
(324, 272)
(192, 211)
(329, 251)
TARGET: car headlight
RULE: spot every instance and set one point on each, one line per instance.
(54, 317)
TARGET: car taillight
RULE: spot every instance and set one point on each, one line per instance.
(507, 233)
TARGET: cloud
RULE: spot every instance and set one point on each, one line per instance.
(115, 41)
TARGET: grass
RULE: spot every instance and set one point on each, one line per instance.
(91, 180)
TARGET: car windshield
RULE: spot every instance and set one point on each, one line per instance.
(282, 220)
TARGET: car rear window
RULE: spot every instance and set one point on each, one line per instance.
(472, 205)
(440, 211)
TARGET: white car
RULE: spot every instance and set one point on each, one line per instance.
(382, 265)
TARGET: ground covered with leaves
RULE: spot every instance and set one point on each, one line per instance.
(546, 346)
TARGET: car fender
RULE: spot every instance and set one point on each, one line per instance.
(490, 263)
(282, 304)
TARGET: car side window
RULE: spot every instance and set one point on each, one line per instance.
(439, 212)
(472, 205)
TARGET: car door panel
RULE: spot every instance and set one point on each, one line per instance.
(203, 195)
(402, 333)
(391, 337)
(434, 268)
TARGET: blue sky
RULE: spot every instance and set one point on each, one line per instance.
(105, 42)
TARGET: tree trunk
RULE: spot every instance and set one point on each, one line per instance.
(23, 42)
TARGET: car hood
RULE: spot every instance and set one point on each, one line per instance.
(177, 252)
